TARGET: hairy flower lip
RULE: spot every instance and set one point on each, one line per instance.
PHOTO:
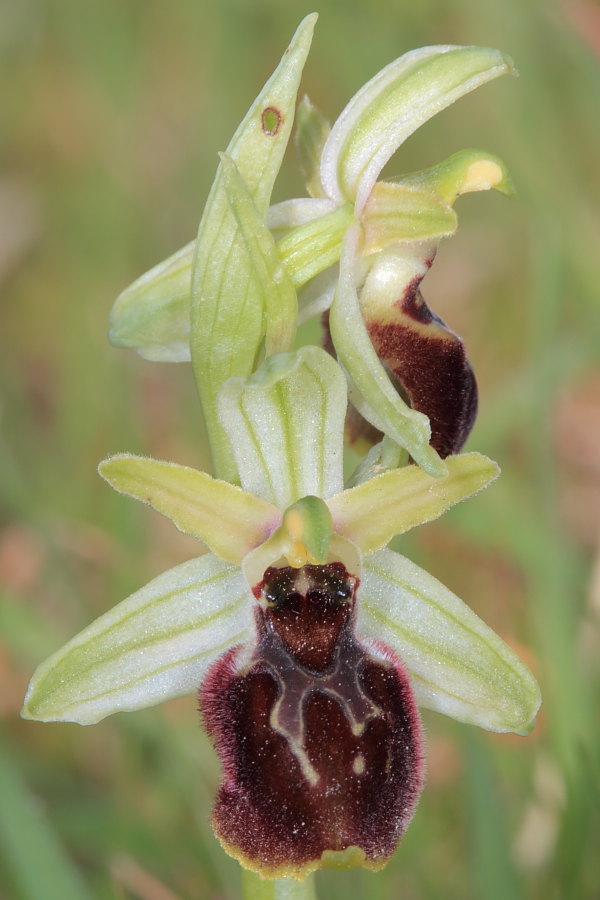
(329, 713)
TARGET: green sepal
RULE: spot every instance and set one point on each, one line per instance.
(371, 513)
(267, 276)
(227, 312)
(286, 426)
(312, 130)
(458, 666)
(391, 106)
(396, 212)
(309, 249)
(152, 315)
(224, 517)
(157, 644)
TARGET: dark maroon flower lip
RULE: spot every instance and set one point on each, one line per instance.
(319, 735)
(428, 364)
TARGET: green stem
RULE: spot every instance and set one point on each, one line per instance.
(257, 888)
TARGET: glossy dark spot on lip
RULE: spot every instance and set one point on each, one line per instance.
(271, 120)
(413, 305)
(309, 622)
(320, 752)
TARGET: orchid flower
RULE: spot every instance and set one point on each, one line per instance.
(357, 245)
(310, 642)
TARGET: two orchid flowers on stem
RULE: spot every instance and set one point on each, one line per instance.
(311, 642)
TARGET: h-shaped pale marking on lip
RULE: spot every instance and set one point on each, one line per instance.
(296, 683)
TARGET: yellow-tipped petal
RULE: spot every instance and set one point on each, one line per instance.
(371, 513)
(224, 517)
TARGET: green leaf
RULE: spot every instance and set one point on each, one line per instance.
(227, 311)
(157, 644)
(458, 666)
(312, 131)
(268, 276)
(391, 106)
(382, 405)
(371, 513)
(227, 519)
(286, 426)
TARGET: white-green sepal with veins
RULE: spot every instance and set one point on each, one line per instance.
(265, 269)
(152, 315)
(286, 426)
(156, 645)
(458, 666)
(227, 310)
(391, 106)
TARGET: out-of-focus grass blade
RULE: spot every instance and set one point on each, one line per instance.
(491, 861)
(30, 848)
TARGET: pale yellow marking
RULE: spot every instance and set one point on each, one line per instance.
(302, 583)
(296, 555)
(294, 523)
(308, 770)
(358, 764)
(349, 858)
(481, 176)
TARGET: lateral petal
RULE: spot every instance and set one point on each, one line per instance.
(156, 645)
(228, 520)
(371, 513)
(458, 665)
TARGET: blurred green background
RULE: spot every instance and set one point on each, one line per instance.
(112, 114)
